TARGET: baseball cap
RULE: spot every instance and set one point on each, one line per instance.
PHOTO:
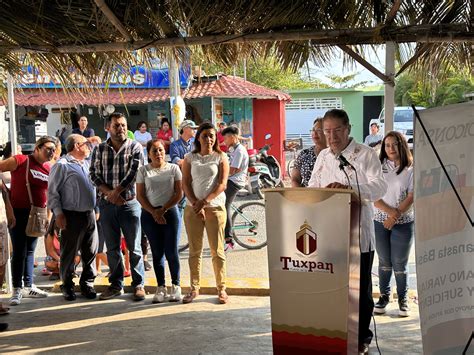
(187, 123)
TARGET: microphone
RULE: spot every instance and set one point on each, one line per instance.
(343, 161)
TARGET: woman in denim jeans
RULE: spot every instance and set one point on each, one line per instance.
(394, 221)
(159, 189)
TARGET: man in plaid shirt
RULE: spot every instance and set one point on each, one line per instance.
(113, 170)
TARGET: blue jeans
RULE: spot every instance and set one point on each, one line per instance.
(116, 220)
(163, 239)
(23, 247)
(393, 248)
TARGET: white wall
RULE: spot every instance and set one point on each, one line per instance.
(53, 121)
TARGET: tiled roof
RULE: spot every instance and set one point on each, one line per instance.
(225, 87)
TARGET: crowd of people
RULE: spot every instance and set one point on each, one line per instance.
(111, 191)
(110, 195)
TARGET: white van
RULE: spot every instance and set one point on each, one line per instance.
(403, 121)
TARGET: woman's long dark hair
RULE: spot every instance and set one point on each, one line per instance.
(406, 159)
(197, 144)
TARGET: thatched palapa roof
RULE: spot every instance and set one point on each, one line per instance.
(95, 35)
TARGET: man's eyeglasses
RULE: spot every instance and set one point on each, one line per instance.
(87, 143)
(337, 131)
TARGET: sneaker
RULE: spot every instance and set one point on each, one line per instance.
(381, 305)
(404, 310)
(88, 292)
(68, 293)
(139, 293)
(175, 294)
(17, 295)
(109, 293)
(363, 348)
(160, 294)
(34, 292)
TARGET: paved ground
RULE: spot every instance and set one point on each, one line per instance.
(243, 326)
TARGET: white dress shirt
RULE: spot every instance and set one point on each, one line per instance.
(371, 183)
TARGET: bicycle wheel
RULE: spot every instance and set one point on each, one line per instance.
(248, 225)
(289, 166)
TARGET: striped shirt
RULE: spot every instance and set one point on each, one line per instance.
(117, 168)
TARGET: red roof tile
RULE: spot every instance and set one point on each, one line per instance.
(225, 87)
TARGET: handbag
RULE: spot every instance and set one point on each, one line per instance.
(38, 219)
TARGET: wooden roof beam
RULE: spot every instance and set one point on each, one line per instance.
(456, 32)
(367, 65)
(113, 19)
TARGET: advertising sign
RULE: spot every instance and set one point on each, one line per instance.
(138, 77)
(444, 210)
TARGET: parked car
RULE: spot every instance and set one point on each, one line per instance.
(403, 121)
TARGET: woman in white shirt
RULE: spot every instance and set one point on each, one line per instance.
(159, 189)
(205, 173)
(143, 137)
(393, 221)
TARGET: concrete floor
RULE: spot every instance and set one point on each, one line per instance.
(120, 325)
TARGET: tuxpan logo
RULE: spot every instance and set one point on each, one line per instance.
(306, 243)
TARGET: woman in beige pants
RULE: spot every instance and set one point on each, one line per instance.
(205, 173)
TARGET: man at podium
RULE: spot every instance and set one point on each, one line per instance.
(350, 165)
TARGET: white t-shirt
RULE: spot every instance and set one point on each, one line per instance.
(205, 175)
(159, 182)
(399, 186)
(143, 138)
(369, 172)
(239, 158)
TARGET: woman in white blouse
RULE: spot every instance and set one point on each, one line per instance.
(393, 221)
(143, 137)
(159, 189)
(205, 173)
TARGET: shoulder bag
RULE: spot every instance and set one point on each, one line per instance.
(38, 219)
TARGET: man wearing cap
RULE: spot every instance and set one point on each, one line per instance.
(374, 137)
(184, 145)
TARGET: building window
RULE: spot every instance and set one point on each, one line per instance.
(317, 103)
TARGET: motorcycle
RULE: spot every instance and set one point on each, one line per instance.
(264, 170)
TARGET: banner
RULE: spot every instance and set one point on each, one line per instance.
(137, 77)
(314, 271)
(444, 210)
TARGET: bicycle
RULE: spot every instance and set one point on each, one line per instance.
(248, 226)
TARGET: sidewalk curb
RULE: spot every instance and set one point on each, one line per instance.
(234, 286)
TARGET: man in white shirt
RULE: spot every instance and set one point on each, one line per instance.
(239, 162)
(328, 172)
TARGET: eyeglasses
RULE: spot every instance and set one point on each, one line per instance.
(87, 143)
(49, 149)
(338, 131)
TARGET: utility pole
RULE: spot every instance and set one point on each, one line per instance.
(173, 73)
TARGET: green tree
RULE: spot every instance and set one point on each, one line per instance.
(447, 89)
(263, 71)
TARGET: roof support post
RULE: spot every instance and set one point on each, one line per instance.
(389, 87)
(11, 114)
(173, 73)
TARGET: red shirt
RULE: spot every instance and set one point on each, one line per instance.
(166, 136)
(38, 178)
(220, 139)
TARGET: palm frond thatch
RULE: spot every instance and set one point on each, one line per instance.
(55, 35)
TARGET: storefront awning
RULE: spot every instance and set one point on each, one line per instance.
(224, 87)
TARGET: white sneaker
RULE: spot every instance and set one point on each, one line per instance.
(16, 296)
(160, 294)
(34, 292)
(175, 294)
